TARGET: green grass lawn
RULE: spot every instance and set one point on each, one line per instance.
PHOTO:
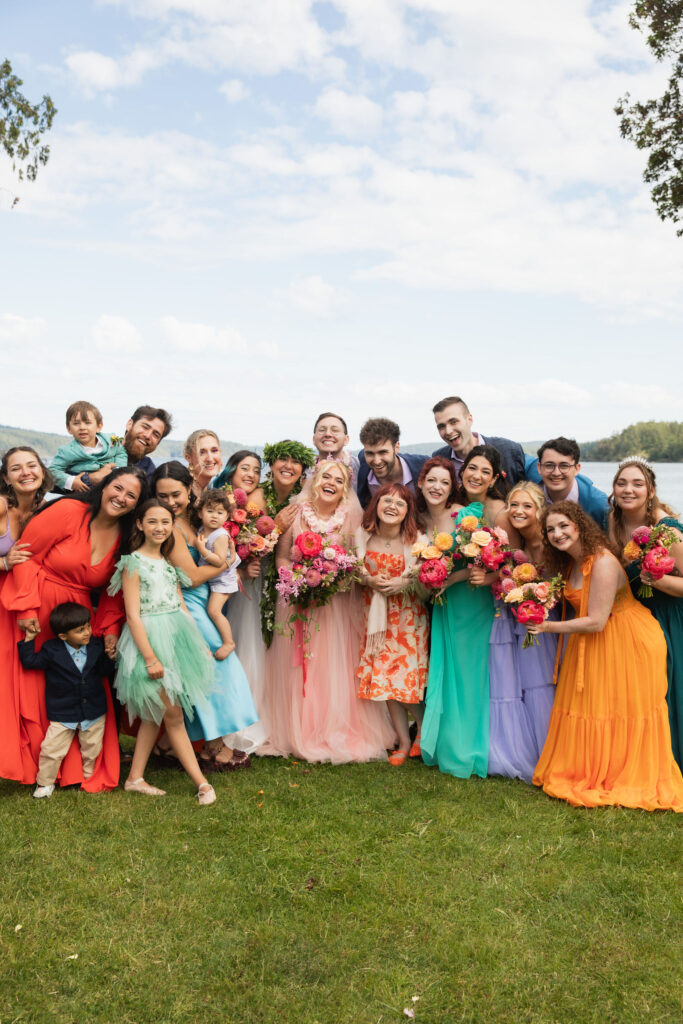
(309, 893)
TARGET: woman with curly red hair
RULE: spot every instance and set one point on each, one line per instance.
(394, 651)
(609, 740)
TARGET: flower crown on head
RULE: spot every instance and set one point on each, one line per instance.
(289, 450)
(635, 458)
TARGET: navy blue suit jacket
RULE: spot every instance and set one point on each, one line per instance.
(414, 463)
(511, 454)
(71, 695)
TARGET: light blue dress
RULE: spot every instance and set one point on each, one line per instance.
(229, 707)
(455, 730)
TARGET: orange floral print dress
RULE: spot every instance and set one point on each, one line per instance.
(399, 671)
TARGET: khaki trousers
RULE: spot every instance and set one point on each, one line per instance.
(57, 742)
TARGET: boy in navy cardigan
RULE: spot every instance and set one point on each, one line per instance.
(74, 663)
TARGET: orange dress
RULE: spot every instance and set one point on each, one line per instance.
(399, 671)
(609, 740)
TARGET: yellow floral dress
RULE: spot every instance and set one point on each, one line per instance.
(399, 671)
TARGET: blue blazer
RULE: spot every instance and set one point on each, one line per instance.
(591, 499)
(71, 695)
(414, 463)
(511, 454)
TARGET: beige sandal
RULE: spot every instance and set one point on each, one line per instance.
(140, 786)
(206, 794)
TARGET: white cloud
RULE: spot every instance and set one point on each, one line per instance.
(21, 329)
(196, 337)
(315, 296)
(234, 90)
(116, 334)
(347, 114)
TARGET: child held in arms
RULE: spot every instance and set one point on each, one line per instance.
(91, 455)
(216, 547)
(74, 663)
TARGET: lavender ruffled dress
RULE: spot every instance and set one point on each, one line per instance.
(521, 696)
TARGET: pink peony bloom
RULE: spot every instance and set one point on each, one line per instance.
(243, 550)
(240, 497)
(265, 525)
(233, 529)
(432, 573)
(501, 534)
(329, 565)
(542, 591)
(658, 562)
(520, 557)
(529, 613)
(313, 578)
(310, 544)
(641, 536)
(508, 585)
(239, 516)
(492, 557)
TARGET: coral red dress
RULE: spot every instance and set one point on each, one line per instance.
(609, 740)
(58, 571)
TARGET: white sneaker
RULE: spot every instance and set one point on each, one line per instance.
(41, 791)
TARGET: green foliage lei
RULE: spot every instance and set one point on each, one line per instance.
(289, 449)
(268, 570)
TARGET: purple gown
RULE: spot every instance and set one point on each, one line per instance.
(521, 696)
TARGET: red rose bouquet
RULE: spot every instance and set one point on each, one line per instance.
(650, 545)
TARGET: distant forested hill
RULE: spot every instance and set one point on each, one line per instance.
(47, 444)
(654, 440)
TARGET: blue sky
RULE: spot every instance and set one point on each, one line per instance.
(256, 212)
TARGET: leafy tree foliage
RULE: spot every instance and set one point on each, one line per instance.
(657, 125)
(657, 441)
(22, 124)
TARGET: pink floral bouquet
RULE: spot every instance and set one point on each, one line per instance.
(253, 532)
(319, 570)
(650, 545)
(529, 597)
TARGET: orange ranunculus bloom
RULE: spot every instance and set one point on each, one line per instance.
(632, 551)
(524, 573)
(469, 523)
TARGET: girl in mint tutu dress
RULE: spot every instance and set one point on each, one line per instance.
(164, 667)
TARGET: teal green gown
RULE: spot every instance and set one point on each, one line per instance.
(455, 730)
(668, 612)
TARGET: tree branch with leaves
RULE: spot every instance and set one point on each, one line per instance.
(22, 125)
(657, 125)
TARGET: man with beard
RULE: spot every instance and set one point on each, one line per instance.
(144, 430)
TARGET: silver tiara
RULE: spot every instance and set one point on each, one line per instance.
(635, 458)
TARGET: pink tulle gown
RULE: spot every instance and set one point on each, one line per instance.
(322, 719)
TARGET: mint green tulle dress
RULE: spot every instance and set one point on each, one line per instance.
(455, 729)
(189, 668)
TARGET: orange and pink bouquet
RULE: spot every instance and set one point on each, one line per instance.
(530, 597)
(253, 532)
(434, 561)
(650, 545)
(477, 544)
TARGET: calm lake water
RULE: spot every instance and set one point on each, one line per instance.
(669, 479)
